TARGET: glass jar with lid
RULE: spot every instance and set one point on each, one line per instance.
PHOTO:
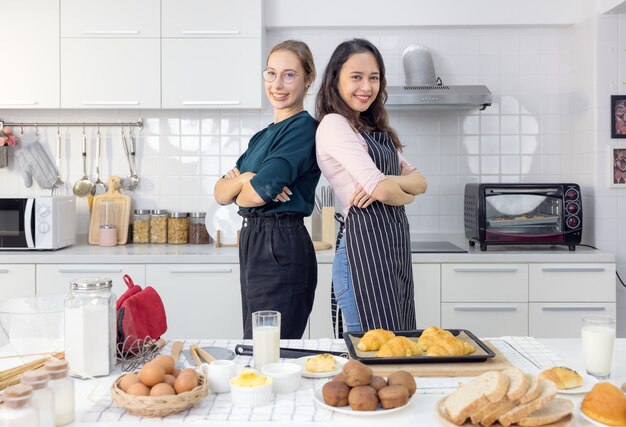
(63, 388)
(90, 326)
(178, 228)
(17, 410)
(43, 396)
(197, 229)
(141, 226)
(158, 226)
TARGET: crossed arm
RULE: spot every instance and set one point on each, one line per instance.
(236, 187)
(395, 190)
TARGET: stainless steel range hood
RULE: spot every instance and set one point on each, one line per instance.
(423, 90)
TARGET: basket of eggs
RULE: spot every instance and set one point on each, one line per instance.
(158, 389)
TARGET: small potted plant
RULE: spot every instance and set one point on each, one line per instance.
(7, 139)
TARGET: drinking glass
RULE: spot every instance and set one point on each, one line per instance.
(598, 337)
(265, 337)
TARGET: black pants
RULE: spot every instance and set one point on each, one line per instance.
(278, 271)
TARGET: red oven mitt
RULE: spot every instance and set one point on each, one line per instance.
(140, 314)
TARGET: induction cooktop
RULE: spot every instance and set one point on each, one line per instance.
(435, 247)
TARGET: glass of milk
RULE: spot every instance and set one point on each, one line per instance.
(598, 337)
(265, 337)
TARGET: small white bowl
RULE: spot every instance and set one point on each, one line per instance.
(286, 376)
(252, 396)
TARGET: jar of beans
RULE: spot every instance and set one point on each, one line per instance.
(178, 228)
(197, 229)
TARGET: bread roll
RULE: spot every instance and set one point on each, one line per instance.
(563, 377)
(606, 404)
(321, 363)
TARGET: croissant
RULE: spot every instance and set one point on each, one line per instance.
(563, 377)
(399, 347)
(431, 335)
(450, 346)
(374, 339)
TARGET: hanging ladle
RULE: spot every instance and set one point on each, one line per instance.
(84, 186)
(132, 180)
(99, 187)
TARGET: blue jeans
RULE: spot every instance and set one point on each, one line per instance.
(344, 291)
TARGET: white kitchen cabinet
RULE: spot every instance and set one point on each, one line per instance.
(486, 319)
(320, 320)
(572, 282)
(427, 282)
(212, 18)
(29, 77)
(111, 18)
(110, 73)
(17, 280)
(55, 278)
(201, 300)
(212, 73)
(484, 282)
(563, 320)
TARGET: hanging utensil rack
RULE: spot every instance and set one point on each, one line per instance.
(137, 124)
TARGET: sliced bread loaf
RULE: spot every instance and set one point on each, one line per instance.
(548, 414)
(505, 406)
(533, 389)
(469, 397)
(548, 392)
(518, 383)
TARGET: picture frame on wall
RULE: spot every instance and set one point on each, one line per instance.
(618, 116)
(618, 165)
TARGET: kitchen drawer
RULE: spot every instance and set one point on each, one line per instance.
(55, 278)
(484, 282)
(17, 280)
(427, 283)
(486, 320)
(214, 18)
(572, 282)
(563, 320)
(111, 18)
(201, 300)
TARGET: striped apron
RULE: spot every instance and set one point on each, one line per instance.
(379, 252)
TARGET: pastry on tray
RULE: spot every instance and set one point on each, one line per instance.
(399, 347)
(563, 377)
(374, 339)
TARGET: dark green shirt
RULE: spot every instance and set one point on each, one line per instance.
(283, 154)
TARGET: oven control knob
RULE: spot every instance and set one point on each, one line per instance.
(573, 221)
(44, 227)
(44, 210)
(572, 208)
(571, 194)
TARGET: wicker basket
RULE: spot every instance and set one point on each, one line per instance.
(159, 406)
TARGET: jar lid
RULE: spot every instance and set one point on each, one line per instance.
(178, 214)
(158, 212)
(142, 212)
(56, 365)
(18, 391)
(37, 378)
(91, 283)
(197, 214)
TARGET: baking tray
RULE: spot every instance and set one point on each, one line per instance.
(548, 220)
(482, 353)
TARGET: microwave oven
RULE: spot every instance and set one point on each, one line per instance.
(37, 223)
(535, 214)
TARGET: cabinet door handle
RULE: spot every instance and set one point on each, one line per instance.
(550, 308)
(209, 32)
(4, 270)
(201, 270)
(211, 102)
(572, 269)
(90, 270)
(496, 308)
(20, 103)
(485, 270)
(110, 102)
(111, 32)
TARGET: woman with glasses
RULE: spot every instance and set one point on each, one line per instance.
(359, 154)
(273, 182)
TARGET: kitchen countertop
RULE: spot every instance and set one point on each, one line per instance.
(82, 253)
(421, 409)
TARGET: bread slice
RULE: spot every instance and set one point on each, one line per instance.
(548, 414)
(505, 406)
(533, 390)
(518, 384)
(548, 392)
(468, 398)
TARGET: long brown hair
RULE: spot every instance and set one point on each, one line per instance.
(329, 100)
(302, 51)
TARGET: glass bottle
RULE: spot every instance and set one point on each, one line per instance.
(198, 233)
(158, 226)
(63, 387)
(178, 228)
(43, 397)
(18, 410)
(141, 226)
(108, 225)
(90, 327)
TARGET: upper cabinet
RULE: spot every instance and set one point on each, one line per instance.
(30, 79)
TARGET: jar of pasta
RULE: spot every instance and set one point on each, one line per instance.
(141, 226)
(158, 226)
(197, 229)
(178, 228)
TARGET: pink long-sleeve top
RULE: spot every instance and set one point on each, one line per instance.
(342, 155)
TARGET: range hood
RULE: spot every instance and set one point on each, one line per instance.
(423, 90)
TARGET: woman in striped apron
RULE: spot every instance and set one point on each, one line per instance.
(359, 154)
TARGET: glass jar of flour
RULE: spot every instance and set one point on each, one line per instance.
(90, 327)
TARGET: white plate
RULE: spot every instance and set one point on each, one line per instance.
(340, 362)
(588, 383)
(225, 219)
(592, 421)
(347, 410)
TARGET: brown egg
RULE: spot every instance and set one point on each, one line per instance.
(162, 389)
(169, 379)
(138, 389)
(128, 380)
(176, 372)
(167, 362)
(185, 382)
(190, 371)
(151, 374)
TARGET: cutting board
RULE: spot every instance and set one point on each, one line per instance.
(465, 369)
(122, 212)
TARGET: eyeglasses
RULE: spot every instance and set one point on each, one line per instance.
(287, 77)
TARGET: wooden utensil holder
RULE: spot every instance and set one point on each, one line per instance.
(329, 233)
(219, 244)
